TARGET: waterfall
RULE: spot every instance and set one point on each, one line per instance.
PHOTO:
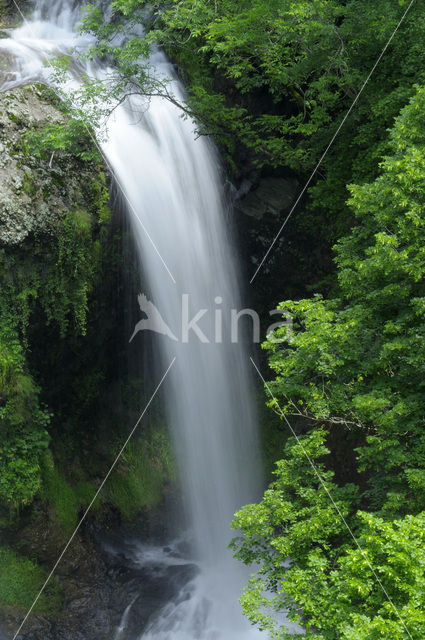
(173, 191)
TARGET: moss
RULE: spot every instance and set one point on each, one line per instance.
(15, 118)
(28, 185)
(60, 496)
(126, 493)
(21, 580)
(65, 497)
(85, 492)
(145, 467)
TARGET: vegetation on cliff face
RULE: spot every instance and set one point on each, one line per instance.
(24, 436)
(48, 258)
(20, 581)
(53, 210)
(145, 466)
(54, 233)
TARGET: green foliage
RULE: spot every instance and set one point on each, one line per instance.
(145, 467)
(45, 280)
(69, 137)
(75, 266)
(304, 62)
(57, 274)
(275, 78)
(358, 360)
(60, 496)
(21, 580)
(23, 435)
(84, 492)
(355, 363)
(311, 568)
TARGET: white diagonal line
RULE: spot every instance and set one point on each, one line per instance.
(337, 509)
(332, 141)
(93, 500)
(111, 169)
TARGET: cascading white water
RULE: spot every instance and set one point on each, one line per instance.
(171, 182)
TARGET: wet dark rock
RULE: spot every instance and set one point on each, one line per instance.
(96, 589)
(272, 196)
(101, 575)
(9, 14)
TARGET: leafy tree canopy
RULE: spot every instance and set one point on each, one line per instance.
(311, 568)
(355, 364)
(275, 78)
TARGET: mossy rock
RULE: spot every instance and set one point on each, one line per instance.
(36, 190)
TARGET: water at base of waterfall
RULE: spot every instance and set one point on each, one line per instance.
(189, 610)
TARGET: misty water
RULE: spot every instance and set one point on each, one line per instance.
(172, 189)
